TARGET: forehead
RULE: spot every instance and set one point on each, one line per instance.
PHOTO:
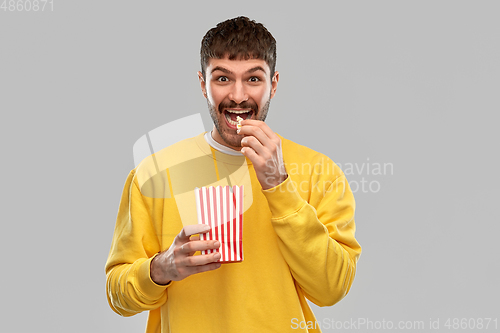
(238, 66)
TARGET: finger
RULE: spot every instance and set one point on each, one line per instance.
(260, 141)
(256, 145)
(260, 124)
(201, 259)
(193, 246)
(251, 155)
(258, 133)
(190, 230)
(193, 238)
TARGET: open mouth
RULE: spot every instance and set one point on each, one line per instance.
(231, 115)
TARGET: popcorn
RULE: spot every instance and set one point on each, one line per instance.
(239, 119)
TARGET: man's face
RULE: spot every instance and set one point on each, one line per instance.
(236, 88)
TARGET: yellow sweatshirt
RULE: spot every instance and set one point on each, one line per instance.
(298, 243)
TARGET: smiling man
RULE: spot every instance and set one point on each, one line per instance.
(244, 87)
(298, 238)
(236, 87)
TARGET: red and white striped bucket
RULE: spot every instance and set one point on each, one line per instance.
(221, 208)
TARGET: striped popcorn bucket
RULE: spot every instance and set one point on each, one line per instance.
(221, 208)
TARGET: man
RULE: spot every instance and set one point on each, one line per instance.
(298, 238)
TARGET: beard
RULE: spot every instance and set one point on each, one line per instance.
(229, 135)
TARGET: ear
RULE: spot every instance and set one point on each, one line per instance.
(202, 84)
(274, 83)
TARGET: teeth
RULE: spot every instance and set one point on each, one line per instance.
(235, 123)
(238, 111)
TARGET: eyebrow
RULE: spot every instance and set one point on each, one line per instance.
(227, 71)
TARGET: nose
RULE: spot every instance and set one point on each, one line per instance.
(238, 93)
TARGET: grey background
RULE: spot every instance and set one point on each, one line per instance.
(413, 84)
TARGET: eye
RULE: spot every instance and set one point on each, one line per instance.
(222, 79)
(254, 79)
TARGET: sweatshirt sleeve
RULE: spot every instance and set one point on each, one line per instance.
(129, 287)
(316, 237)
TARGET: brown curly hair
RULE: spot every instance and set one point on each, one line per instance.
(238, 38)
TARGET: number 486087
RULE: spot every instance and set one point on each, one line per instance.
(27, 5)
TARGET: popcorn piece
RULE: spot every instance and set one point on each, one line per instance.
(239, 119)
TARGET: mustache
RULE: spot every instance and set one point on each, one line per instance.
(233, 105)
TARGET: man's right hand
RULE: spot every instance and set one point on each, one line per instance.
(178, 262)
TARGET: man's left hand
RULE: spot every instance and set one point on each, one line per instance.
(263, 148)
